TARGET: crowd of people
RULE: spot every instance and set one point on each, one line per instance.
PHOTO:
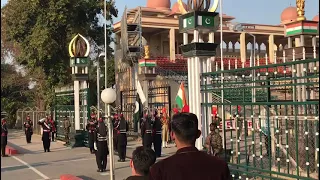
(156, 130)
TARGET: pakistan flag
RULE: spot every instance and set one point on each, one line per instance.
(137, 113)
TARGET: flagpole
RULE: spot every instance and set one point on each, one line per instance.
(222, 76)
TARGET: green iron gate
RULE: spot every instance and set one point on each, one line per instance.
(270, 118)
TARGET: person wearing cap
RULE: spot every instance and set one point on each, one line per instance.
(157, 137)
(213, 141)
(28, 125)
(54, 127)
(122, 138)
(101, 146)
(66, 127)
(116, 126)
(91, 128)
(4, 137)
(165, 128)
(148, 130)
(46, 132)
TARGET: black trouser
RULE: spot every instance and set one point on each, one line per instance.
(147, 140)
(122, 145)
(115, 141)
(157, 141)
(28, 136)
(91, 141)
(53, 133)
(4, 141)
(46, 141)
(101, 154)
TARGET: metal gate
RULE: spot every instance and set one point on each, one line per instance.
(35, 115)
(158, 97)
(270, 118)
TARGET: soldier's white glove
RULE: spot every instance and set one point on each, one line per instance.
(95, 146)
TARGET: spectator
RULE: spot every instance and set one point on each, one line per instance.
(142, 159)
(188, 163)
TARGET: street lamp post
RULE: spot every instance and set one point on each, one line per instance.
(237, 27)
(109, 96)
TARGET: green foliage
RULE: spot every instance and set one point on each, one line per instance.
(42, 29)
(14, 91)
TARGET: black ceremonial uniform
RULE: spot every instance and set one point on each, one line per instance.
(157, 138)
(102, 146)
(28, 130)
(46, 138)
(147, 137)
(4, 137)
(116, 124)
(91, 128)
(122, 139)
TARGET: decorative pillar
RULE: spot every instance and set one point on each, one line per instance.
(243, 47)
(271, 48)
(197, 22)
(172, 40)
(79, 49)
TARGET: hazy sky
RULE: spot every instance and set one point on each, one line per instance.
(246, 11)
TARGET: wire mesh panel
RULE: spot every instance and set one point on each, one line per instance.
(269, 119)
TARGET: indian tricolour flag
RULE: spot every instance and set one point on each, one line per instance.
(292, 29)
(181, 96)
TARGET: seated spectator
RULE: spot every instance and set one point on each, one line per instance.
(142, 159)
(188, 163)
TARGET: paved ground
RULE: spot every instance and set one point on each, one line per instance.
(33, 164)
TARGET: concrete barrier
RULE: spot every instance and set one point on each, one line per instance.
(69, 177)
(11, 150)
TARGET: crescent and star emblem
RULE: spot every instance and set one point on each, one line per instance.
(189, 21)
(207, 21)
(137, 107)
(213, 8)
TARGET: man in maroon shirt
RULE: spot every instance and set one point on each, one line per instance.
(188, 163)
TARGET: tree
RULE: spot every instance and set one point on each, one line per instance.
(42, 29)
(14, 91)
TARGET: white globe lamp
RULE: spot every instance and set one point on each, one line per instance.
(108, 95)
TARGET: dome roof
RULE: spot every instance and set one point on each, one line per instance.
(159, 4)
(316, 18)
(288, 15)
(175, 7)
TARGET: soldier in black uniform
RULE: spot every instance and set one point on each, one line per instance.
(122, 139)
(157, 139)
(4, 137)
(102, 146)
(116, 124)
(46, 138)
(147, 137)
(28, 128)
(91, 128)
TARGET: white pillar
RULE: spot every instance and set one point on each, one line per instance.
(76, 103)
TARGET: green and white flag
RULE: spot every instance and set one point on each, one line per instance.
(188, 22)
(206, 21)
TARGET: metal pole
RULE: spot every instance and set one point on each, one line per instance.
(98, 89)
(222, 76)
(110, 134)
(252, 64)
(105, 47)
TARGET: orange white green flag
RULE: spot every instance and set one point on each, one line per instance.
(181, 96)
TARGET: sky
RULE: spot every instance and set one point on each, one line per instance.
(245, 11)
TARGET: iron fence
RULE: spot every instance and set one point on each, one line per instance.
(270, 118)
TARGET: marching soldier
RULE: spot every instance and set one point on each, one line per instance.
(4, 137)
(66, 127)
(53, 125)
(28, 128)
(116, 125)
(147, 137)
(91, 128)
(101, 146)
(122, 139)
(214, 141)
(157, 134)
(165, 128)
(46, 128)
